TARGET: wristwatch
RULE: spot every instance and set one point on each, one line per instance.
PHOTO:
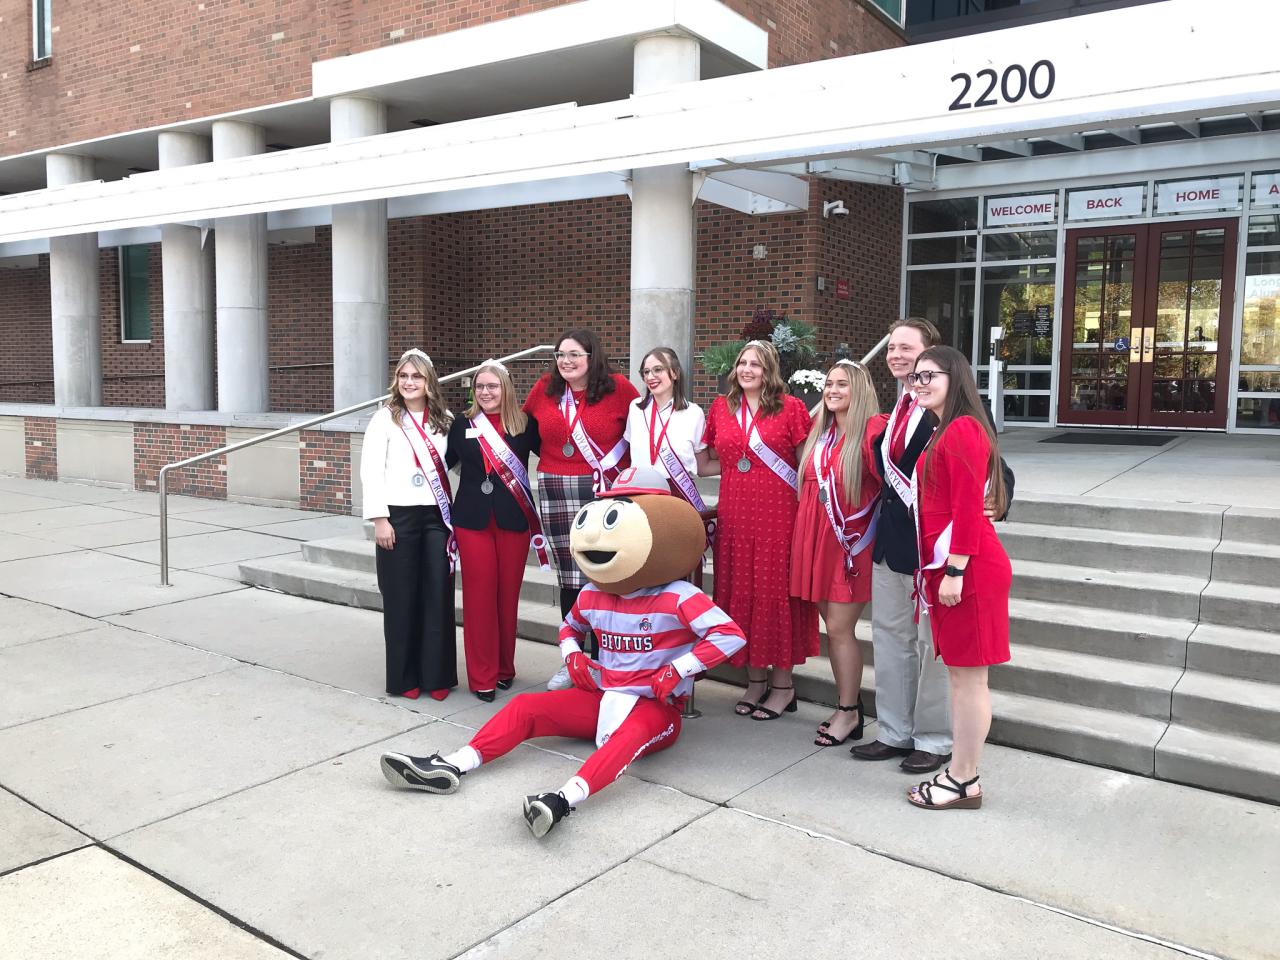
(954, 571)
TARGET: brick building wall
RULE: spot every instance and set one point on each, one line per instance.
(132, 373)
(41, 448)
(130, 64)
(156, 444)
(324, 463)
(26, 335)
(300, 324)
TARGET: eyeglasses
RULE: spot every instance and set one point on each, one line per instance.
(574, 355)
(488, 388)
(924, 376)
(652, 371)
(411, 377)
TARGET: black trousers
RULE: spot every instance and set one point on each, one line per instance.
(417, 603)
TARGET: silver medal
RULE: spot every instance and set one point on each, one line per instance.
(567, 449)
(487, 486)
(744, 465)
(822, 496)
(419, 479)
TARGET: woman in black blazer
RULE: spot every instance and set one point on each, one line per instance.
(493, 518)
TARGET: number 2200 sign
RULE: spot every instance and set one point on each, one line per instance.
(1010, 87)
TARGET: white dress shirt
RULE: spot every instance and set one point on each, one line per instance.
(387, 466)
(684, 434)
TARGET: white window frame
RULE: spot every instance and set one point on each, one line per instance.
(41, 30)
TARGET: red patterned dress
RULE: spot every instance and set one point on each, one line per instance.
(753, 541)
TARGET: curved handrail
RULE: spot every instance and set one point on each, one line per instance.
(282, 432)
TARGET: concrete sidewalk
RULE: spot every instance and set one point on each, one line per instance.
(192, 772)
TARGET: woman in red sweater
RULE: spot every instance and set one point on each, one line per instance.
(581, 410)
(964, 574)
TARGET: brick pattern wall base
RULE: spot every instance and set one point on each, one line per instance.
(156, 444)
(41, 448)
(324, 460)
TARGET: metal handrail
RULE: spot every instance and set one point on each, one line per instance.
(285, 431)
(867, 358)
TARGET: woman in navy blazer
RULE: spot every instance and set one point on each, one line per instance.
(492, 524)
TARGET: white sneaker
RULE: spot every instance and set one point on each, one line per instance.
(560, 681)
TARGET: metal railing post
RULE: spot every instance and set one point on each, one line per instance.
(285, 431)
(690, 712)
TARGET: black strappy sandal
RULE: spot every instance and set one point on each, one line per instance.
(745, 708)
(921, 795)
(791, 707)
(824, 739)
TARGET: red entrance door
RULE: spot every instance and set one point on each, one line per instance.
(1147, 342)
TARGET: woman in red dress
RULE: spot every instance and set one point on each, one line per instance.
(839, 489)
(964, 572)
(757, 523)
(581, 409)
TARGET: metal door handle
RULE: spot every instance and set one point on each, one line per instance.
(1148, 344)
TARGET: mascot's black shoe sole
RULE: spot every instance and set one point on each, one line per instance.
(431, 773)
(544, 811)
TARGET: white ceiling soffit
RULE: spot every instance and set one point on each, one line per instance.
(584, 24)
(1187, 65)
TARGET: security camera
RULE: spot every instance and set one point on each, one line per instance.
(834, 208)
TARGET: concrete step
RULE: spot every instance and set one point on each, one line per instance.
(297, 577)
(1234, 652)
(1238, 561)
(1139, 638)
(1228, 705)
(1104, 683)
(1133, 516)
(345, 553)
(1108, 549)
(1159, 595)
(1220, 762)
(1251, 525)
(1244, 605)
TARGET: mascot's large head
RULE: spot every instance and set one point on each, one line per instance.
(637, 534)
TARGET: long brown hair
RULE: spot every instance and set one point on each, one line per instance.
(672, 362)
(514, 420)
(774, 387)
(963, 400)
(438, 417)
(863, 405)
(599, 380)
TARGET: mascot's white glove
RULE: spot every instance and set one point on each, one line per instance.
(664, 682)
(579, 666)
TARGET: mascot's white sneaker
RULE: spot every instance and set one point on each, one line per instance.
(431, 774)
(544, 811)
(561, 680)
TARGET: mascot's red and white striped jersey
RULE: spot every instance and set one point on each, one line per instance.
(642, 632)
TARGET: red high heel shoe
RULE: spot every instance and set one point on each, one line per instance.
(412, 694)
(439, 694)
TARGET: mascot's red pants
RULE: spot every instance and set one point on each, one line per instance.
(649, 727)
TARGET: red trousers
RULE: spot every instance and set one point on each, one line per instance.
(493, 563)
(650, 726)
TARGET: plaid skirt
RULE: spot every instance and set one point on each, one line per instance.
(559, 500)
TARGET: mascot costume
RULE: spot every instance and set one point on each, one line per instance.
(634, 543)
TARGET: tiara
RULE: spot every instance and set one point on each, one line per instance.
(415, 352)
(494, 363)
(756, 343)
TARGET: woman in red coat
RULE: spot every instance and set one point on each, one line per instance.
(581, 409)
(756, 432)
(835, 527)
(964, 574)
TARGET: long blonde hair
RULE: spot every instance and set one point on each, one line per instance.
(774, 387)
(514, 420)
(438, 418)
(863, 405)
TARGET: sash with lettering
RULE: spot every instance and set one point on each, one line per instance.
(430, 466)
(893, 474)
(762, 450)
(604, 466)
(516, 479)
(851, 542)
(680, 477)
(941, 548)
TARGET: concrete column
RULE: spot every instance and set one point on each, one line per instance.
(662, 228)
(73, 295)
(359, 270)
(187, 266)
(240, 252)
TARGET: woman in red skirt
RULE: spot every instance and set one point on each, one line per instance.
(755, 434)
(835, 526)
(964, 574)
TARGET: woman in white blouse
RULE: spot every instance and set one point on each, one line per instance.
(663, 428)
(406, 495)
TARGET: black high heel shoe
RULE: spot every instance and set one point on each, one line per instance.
(824, 739)
(744, 708)
(506, 684)
(791, 706)
(486, 695)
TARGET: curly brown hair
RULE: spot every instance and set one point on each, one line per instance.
(438, 417)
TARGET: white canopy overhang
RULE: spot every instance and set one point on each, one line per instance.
(1161, 63)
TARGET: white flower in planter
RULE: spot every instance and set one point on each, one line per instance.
(809, 381)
